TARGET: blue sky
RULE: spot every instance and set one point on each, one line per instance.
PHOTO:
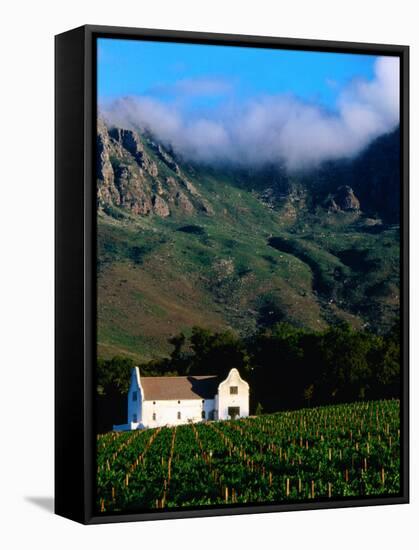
(131, 67)
(234, 104)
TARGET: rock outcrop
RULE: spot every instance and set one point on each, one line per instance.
(346, 200)
(160, 206)
(106, 190)
(343, 200)
(135, 173)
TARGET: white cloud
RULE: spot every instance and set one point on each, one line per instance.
(194, 87)
(270, 129)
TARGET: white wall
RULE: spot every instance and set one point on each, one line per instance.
(27, 280)
(226, 399)
(134, 408)
(140, 411)
(166, 411)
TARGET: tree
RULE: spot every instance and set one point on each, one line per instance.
(114, 372)
(347, 370)
(113, 378)
(177, 341)
(308, 394)
(276, 356)
(217, 352)
(179, 361)
(259, 409)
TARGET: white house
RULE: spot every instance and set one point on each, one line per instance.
(170, 400)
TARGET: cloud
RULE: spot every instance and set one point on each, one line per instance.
(193, 87)
(269, 129)
(332, 83)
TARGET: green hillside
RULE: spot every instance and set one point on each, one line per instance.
(220, 254)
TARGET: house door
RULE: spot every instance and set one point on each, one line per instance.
(233, 412)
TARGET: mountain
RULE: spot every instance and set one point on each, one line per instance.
(374, 176)
(182, 244)
(138, 174)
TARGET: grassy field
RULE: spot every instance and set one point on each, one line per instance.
(320, 453)
(241, 267)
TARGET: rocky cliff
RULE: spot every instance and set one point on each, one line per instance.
(343, 200)
(373, 177)
(135, 173)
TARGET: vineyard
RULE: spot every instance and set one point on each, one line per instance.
(326, 452)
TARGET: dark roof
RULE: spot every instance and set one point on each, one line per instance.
(179, 387)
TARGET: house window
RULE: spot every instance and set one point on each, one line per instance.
(134, 396)
(203, 401)
(154, 416)
(203, 415)
(179, 402)
(154, 402)
(178, 415)
(134, 418)
(233, 412)
(234, 390)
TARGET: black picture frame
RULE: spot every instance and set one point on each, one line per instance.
(75, 268)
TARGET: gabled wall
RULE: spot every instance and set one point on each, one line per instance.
(225, 399)
(135, 407)
(141, 411)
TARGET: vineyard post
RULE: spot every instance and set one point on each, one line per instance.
(383, 476)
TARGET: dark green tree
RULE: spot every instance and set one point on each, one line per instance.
(217, 352)
(114, 372)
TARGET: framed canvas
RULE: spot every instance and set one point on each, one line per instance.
(231, 274)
